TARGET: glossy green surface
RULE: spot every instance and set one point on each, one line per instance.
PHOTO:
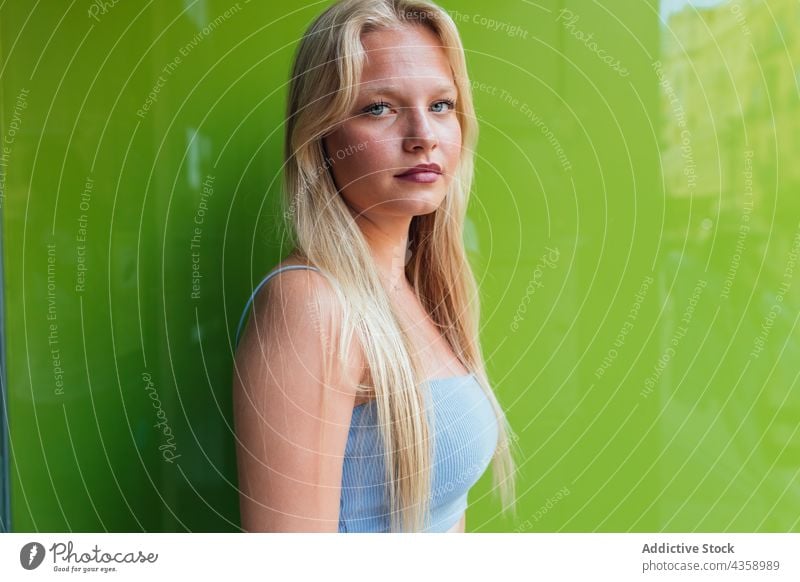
(635, 227)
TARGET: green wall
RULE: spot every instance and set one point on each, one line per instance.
(634, 226)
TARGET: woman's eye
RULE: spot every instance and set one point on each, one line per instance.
(374, 108)
(448, 102)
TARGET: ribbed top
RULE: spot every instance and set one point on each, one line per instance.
(464, 431)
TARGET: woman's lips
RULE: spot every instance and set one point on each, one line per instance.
(420, 177)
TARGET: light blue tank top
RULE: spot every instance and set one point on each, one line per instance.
(464, 430)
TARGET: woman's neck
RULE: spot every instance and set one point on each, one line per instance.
(387, 238)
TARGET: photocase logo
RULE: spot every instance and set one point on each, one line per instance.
(31, 555)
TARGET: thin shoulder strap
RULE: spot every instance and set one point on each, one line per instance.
(260, 285)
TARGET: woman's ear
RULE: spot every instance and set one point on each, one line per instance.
(327, 160)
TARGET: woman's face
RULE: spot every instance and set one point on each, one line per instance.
(404, 116)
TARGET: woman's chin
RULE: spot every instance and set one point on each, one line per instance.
(415, 207)
(418, 203)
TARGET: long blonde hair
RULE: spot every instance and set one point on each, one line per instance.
(323, 89)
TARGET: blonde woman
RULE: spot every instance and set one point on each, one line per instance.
(361, 400)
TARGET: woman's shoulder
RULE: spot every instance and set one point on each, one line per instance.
(284, 287)
(295, 259)
(281, 276)
(293, 301)
(302, 306)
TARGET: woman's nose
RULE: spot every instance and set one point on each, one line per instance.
(418, 131)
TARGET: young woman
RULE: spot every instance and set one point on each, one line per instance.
(361, 399)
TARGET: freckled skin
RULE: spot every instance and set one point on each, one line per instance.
(415, 127)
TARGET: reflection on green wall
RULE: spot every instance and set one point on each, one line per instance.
(633, 227)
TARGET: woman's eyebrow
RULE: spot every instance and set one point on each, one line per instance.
(394, 90)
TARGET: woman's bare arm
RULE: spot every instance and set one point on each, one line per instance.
(288, 480)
